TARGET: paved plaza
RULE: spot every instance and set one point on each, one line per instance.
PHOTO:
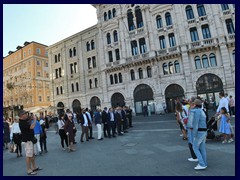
(152, 147)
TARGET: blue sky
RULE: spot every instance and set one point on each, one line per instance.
(43, 23)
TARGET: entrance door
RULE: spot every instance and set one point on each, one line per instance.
(172, 93)
(60, 108)
(143, 95)
(117, 99)
(76, 106)
(95, 103)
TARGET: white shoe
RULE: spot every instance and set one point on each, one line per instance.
(192, 160)
(230, 140)
(63, 149)
(198, 167)
(181, 135)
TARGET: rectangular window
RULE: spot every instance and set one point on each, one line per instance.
(56, 73)
(172, 41)
(71, 68)
(60, 72)
(89, 63)
(230, 27)
(94, 62)
(38, 63)
(75, 67)
(206, 32)
(143, 47)
(110, 57)
(194, 34)
(48, 98)
(24, 54)
(46, 54)
(61, 90)
(47, 75)
(38, 74)
(162, 42)
(29, 51)
(38, 51)
(117, 54)
(46, 65)
(134, 48)
(40, 98)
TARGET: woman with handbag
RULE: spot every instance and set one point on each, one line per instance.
(61, 132)
(179, 117)
(16, 136)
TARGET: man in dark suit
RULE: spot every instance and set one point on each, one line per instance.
(129, 116)
(124, 119)
(119, 121)
(111, 120)
(105, 122)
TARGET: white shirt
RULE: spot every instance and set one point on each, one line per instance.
(89, 116)
(186, 109)
(61, 124)
(15, 129)
(85, 120)
(112, 116)
(223, 103)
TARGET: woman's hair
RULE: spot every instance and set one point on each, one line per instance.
(224, 110)
(179, 107)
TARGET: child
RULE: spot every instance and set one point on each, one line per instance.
(225, 126)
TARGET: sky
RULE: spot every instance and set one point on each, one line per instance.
(44, 23)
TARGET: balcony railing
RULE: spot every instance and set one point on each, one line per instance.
(169, 27)
(203, 18)
(191, 21)
(163, 51)
(226, 12)
(196, 44)
(231, 37)
(109, 64)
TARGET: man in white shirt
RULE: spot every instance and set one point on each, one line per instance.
(222, 103)
(90, 124)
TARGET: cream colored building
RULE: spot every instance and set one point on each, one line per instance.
(140, 55)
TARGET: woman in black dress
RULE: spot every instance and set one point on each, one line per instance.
(70, 130)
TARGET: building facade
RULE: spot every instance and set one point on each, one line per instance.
(26, 78)
(140, 55)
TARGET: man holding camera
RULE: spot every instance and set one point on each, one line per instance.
(26, 128)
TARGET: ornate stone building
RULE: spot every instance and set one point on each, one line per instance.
(146, 54)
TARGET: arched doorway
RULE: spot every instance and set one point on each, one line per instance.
(143, 95)
(208, 87)
(173, 92)
(76, 106)
(60, 108)
(117, 99)
(94, 103)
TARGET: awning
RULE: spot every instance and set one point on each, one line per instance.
(35, 109)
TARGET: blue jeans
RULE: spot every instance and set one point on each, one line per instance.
(199, 147)
(190, 136)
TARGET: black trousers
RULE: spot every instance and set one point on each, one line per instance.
(191, 151)
(43, 144)
(106, 130)
(17, 139)
(130, 121)
(125, 124)
(232, 111)
(111, 128)
(63, 137)
(90, 129)
(119, 127)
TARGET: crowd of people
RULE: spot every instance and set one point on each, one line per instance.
(192, 118)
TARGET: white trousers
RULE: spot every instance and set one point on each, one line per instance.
(99, 131)
(37, 147)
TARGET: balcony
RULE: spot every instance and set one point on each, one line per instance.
(145, 55)
(196, 44)
(191, 21)
(109, 64)
(163, 51)
(169, 27)
(116, 62)
(136, 57)
(207, 42)
(203, 18)
(203, 43)
(226, 12)
(139, 31)
(115, 43)
(172, 49)
(160, 30)
(231, 37)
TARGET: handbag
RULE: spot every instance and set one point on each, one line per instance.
(185, 120)
(34, 140)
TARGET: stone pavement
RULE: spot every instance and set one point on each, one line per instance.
(152, 147)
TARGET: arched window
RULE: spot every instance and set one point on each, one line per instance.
(224, 7)
(134, 48)
(159, 21)
(139, 19)
(213, 61)
(132, 75)
(172, 41)
(105, 16)
(189, 12)
(177, 67)
(143, 47)
(198, 64)
(90, 83)
(109, 14)
(130, 20)
(111, 79)
(149, 72)
(205, 61)
(57, 91)
(108, 38)
(61, 89)
(56, 58)
(162, 42)
(96, 82)
(114, 12)
(165, 68)
(72, 87)
(59, 57)
(120, 77)
(115, 78)
(201, 10)
(92, 45)
(77, 86)
(168, 19)
(140, 73)
(88, 46)
(74, 51)
(171, 69)
(233, 56)
(70, 52)
(115, 36)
